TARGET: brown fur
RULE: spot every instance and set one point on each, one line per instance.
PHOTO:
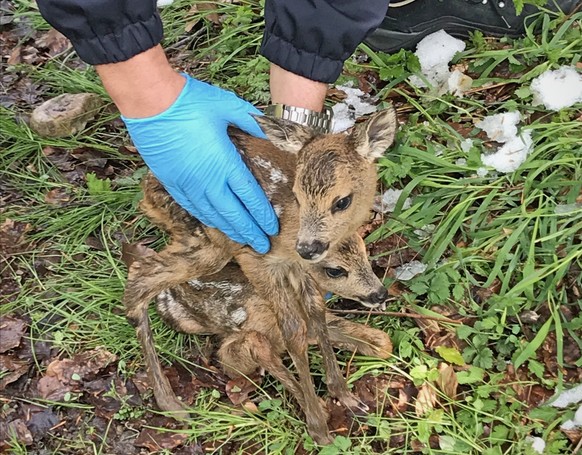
(249, 328)
(278, 276)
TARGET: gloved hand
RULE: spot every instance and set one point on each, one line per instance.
(188, 150)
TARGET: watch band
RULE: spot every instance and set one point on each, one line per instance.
(320, 121)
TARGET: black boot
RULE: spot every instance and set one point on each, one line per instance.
(408, 21)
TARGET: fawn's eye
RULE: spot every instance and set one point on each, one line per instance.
(335, 272)
(341, 204)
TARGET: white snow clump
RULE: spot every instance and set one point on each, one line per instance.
(409, 270)
(503, 128)
(557, 89)
(356, 104)
(434, 52)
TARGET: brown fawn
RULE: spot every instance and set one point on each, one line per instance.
(226, 304)
(322, 187)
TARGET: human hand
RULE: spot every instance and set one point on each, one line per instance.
(188, 150)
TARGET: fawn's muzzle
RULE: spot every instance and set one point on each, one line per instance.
(378, 297)
(311, 250)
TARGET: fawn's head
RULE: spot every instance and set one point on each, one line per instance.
(335, 178)
(346, 271)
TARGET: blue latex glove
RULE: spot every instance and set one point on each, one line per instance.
(188, 150)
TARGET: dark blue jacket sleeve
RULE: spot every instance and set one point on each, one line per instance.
(313, 38)
(105, 31)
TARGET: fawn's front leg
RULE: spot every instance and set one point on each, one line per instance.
(315, 311)
(274, 287)
(358, 337)
(245, 352)
(180, 261)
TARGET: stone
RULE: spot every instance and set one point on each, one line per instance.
(65, 115)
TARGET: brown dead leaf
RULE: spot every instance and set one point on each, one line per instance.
(60, 376)
(54, 41)
(17, 429)
(447, 380)
(426, 400)
(15, 56)
(239, 389)
(12, 235)
(156, 440)
(11, 370)
(57, 196)
(11, 332)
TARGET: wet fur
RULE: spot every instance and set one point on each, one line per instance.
(280, 275)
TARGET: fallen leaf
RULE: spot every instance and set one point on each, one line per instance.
(238, 389)
(11, 370)
(12, 235)
(57, 196)
(61, 375)
(15, 56)
(11, 332)
(156, 440)
(17, 429)
(426, 400)
(41, 420)
(54, 41)
(447, 380)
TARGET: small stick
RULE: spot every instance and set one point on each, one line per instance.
(397, 315)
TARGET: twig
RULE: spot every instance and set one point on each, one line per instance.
(397, 315)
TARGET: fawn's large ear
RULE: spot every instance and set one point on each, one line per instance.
(285, 134)
(373, 136)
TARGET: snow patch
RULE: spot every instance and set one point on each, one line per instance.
(574, 423)
(356, 104)
(567, 397)
(503, 128)
(409, 270)
(387, 202)
(557, 89)
(537, 444)
(434, 52)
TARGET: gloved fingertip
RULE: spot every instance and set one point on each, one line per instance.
(261, 246)
(272, 227)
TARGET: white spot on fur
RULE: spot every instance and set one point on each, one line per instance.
(278, 210)
(276, 176)
(239, 316)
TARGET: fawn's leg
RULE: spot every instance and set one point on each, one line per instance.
(178, 262)
(244, 353)
(315, 308)
(358, 337)
(291, 321)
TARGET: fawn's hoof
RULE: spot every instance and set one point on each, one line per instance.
(353, 403)
(175, 408)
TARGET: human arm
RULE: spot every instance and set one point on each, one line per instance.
(308, 41)
(178, 124)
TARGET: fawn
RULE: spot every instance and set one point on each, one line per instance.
(226, 304)
(322, 187)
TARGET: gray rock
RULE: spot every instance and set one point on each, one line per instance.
(65, 115)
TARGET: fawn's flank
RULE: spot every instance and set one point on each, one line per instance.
(322, 185)
(226, 304)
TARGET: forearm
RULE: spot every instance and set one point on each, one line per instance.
(142, 86)
(289, 88)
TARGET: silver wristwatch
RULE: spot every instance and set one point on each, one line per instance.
(320, 121)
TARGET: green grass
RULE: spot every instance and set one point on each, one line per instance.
(500, 232)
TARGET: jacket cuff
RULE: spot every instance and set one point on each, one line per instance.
(299, 61)
(122, 44)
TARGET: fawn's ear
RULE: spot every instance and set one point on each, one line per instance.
(372, 137)
(285, 134)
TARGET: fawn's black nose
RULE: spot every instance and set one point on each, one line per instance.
(311, 250)
(379, 296)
